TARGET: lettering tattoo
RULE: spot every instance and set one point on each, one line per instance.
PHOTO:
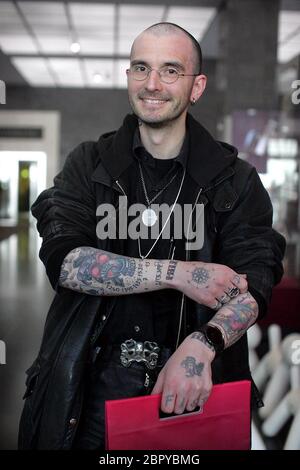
(191, 367)
(159, 267)
(171, 270)
(169, 399)
(236, 317)
(200, 337)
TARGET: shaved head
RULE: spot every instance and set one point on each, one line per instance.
(161, 29)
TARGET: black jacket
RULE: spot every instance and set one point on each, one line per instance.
(238, 233)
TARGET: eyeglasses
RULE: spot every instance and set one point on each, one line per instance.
(166, 74)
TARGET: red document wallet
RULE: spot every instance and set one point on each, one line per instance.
(224, 424)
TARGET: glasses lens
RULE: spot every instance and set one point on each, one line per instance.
(168, 74)
(139, 72)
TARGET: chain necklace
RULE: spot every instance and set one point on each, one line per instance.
(165, 224)
(148, 216)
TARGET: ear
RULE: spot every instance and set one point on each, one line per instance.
(198, 88)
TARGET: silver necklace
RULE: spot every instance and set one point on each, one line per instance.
(149, 216)
(165, 224)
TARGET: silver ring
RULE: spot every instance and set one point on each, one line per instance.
(224, 299)
(217, 306)
(233, 292)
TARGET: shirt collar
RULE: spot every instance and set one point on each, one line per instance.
(142, 154)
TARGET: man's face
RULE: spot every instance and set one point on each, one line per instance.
(153, 101)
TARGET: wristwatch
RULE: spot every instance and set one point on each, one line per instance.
(214, 337)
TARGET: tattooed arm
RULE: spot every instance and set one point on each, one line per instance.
(97, 272)
(185, 381)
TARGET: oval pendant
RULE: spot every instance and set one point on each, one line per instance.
(149, 217)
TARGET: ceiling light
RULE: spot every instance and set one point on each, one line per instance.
(75, 47)
(97, 78)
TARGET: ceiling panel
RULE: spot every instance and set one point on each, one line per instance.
(67, 72)
(194, 19)
(96, 46)
(54, 44)
(133, 20)
(44, 13)
(288, 35)
(10, 20)
(99, 73)
(34, 70)
(87, 16)
(20, 44)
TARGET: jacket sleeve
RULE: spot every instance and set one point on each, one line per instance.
(66, 212)
(247, 242)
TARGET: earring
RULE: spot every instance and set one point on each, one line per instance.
(193, 101)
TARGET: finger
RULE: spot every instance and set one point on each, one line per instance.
(224, 298)
(193, 404)
(240, 282)
(180, 404)
(158, 387)
(168, 402)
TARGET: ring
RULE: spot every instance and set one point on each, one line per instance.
(225, 298)
(233, 292)
(217, 306)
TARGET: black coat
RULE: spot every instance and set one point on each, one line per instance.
(238, 233)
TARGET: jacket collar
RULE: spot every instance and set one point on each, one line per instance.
(209, 161)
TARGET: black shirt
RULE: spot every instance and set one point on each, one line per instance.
(152, 316)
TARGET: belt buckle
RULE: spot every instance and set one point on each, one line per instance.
(136, 351)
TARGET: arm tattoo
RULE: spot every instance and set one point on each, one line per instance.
(97, 272)
(171, 270)
(191, 367)
(236, 317)
(200, 336)
(159, 267)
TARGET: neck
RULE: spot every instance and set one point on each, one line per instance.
(163, 142)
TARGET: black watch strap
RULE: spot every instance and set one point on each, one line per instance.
(214, 337)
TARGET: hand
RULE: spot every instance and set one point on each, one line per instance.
(208, 284)
(185, 380)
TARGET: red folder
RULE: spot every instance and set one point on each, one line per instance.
(224, 423)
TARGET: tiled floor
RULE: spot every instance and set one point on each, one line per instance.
(25, 296)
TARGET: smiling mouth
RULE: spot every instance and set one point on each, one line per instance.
(153, 101)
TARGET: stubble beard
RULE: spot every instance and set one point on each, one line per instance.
(159, 122)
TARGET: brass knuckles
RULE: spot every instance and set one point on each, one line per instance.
(146, 352)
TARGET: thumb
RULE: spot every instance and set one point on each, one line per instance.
(158, 387)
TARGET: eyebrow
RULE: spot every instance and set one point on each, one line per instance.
(170, 64)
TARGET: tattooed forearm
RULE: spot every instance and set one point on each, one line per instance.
(236, 317)
(200, 337)
(191, 367)
(159, 270)
(171, 270)
(96, 272)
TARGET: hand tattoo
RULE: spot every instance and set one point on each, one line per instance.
(191, 367)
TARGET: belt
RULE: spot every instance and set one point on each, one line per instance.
(131, 351)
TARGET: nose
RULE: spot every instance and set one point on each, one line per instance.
(153, 81)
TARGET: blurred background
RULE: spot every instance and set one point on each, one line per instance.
(63, 81)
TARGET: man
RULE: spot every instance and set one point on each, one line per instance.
(135, 315)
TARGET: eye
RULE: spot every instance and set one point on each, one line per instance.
(171, 71)
(139, 68)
